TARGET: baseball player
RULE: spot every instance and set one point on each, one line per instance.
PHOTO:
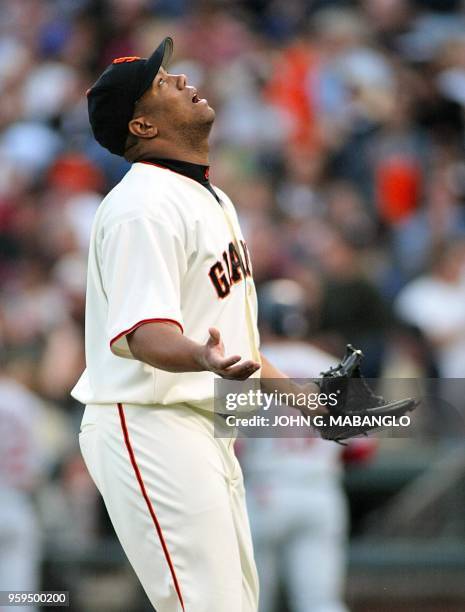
(297, 508)
(21, 467)
(171, 305)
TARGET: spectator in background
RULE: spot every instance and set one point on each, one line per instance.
(434, 302)
(352, 307)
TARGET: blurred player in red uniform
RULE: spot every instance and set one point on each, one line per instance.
(20, 466)
(296, 503)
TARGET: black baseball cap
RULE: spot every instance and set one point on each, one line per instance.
(112, 98)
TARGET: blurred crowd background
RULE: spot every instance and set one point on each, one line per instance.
(339, 135)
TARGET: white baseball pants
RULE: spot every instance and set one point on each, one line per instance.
(175, 496)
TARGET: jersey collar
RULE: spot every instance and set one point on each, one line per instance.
(196, 172)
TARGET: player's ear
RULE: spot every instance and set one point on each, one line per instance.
(142, 127)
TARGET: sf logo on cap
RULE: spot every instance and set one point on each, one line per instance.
(122, 60)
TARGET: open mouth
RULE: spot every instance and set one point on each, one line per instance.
(195, 99)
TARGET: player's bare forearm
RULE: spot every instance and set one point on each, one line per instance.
(163, 346)
(273, 379)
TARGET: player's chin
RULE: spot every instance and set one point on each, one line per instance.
(210, 114)
(202, 108)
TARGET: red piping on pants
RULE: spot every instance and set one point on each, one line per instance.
(149, 503)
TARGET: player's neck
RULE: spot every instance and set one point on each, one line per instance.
(188, 145)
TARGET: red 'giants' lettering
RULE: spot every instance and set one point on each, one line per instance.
(219, 280)
(236, 264)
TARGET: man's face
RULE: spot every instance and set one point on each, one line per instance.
(173, 105)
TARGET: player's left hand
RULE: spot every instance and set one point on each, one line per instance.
(226, 367)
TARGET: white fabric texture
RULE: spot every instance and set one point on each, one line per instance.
(193, 484)
(156, 238)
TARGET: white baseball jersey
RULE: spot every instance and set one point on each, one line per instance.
(163, 249)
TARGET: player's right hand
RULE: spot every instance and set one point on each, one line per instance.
(226, 367)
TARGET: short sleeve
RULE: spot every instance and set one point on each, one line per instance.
(143, 262)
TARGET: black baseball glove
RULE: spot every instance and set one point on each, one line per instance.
(358, 410)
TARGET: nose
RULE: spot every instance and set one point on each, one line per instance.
(181, 81)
